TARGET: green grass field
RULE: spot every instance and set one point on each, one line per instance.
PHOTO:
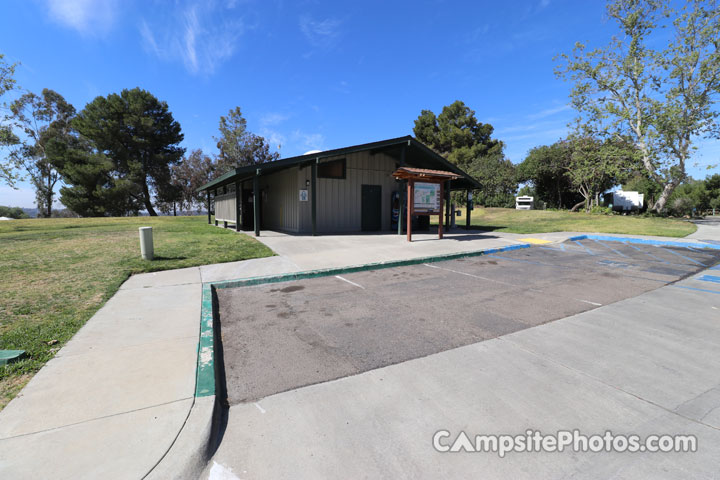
(543, 221)
(56, 273)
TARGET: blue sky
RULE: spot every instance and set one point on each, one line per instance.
(312, 74)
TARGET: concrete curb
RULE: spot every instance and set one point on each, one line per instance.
(192, 448)
(645, 241)
(189, 453)
(325, 272)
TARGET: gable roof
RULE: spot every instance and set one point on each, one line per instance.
(416, 155)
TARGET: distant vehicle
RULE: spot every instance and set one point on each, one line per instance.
(622, 201)
(5, 218)
(524, 203)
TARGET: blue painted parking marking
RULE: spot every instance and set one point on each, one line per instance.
(710, 278)
(586, 249)
(608, 246)
(683, 256)
(649, 254)
(707, 244)
(696, 289)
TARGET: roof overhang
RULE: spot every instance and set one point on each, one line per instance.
(416, 155)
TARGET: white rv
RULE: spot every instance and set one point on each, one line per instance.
(627, 201)
(524, 203)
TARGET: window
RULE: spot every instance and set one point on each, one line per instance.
(334, 169)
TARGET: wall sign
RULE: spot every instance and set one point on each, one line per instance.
(427, 197)
(303, 195)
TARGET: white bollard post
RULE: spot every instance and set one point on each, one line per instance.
(146, 243)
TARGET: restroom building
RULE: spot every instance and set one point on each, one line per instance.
(349, 189)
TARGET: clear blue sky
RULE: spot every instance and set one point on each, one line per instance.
(312, 74)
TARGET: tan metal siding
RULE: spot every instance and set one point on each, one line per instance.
(339, 203)
(225, 208)
(280, 201)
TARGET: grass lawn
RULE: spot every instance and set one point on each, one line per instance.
(55, 273)
(542, 221)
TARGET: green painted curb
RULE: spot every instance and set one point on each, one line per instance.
(288, 277)
(205, 379)
(205, 373)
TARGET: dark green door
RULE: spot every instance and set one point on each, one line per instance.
(371, 208)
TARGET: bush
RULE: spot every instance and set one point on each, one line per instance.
(681, 206)
(598, 210)
(13, 212)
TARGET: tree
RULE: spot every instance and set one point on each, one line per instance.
(712, 184)
(237, 146)
(458, 136)
(38, 119)
(12, 212)
(641, 182)
(138, 134)
(94, 187)
(499, 180)
(663, 99)
(545, 167)
(194, 171)
(596, 166)
(7, 84)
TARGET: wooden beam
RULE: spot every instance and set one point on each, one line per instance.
(256, 203)
(401, 202)
(410, 196)
(313, 197)
(440, 217)
(448, 222)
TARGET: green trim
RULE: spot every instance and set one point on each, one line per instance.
(326, 272)
(205, 374)
(205, 380)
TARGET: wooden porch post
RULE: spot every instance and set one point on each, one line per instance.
(256, 202)
(401, 202)
(440, 217)
(410, 203)
(448, 221)
(215, 195)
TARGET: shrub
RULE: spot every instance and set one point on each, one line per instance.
(13, 212)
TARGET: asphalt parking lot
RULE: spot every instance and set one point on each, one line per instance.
(280, 337)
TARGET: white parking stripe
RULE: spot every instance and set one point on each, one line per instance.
(348, 281)
(469, 275)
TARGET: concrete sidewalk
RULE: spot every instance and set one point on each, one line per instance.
(113, 400)
(116, 397)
